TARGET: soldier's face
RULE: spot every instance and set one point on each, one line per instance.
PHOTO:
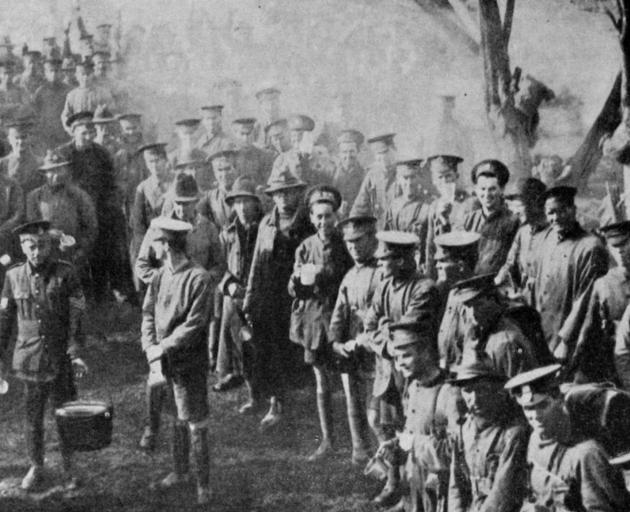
(185, 133)
(270, 104)
(83, 135)
(407, 180)
(18, 140)
(212, 121)
(442, 174)
(517, 207)
(156, 164)
(488, 192)
(482, 397)
(104, 132)
(387, 266)
(295, 137)
(100, 67)
(131, 130)
(449, 270)
(545, 416)
(348, 153)
(277, 138)
(30, 65)
(246, 209)
(36, 248)
(323, 218)
(83, 76)
(57, 177)
(160, 247)
(243, 133)
(384, 159)
(288, 200)
(560, 216)
(362, 249)
(407, 360)
(185, 210)
(223, 172)
(52, 72)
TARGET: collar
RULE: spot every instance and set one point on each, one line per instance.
(183, 265)
(43, 270)
(574, 232)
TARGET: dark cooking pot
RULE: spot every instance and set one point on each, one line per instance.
(85, 425)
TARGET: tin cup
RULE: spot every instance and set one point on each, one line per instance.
(308, 273)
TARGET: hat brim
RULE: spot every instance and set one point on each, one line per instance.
(185, 199)
(52, 167)
(230, 198)
(278, 188)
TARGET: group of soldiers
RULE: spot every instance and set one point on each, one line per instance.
(460, 321)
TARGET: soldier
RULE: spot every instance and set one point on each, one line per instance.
(214, 204)
(106, 129)
(489, 468)
(128, 161)
(43, 296)
(346, 325)
(564, 282)
(250, 161)
(92, 169)
(406, 212)
(378, 188)
(204, 249)
(51, 49)
(31, 79)
(299, 159)
(348, 173)
(276, 136)
(447, 212)
(187, 151)
(235, 358)
(67, 208)
(69, 68)
(48, 103)
(605, 309)
(279, 234)
(402, 292)
(214, 139)
(321, 261)
(488, 330)
(493, 221)
(86, 96)
(101, 61)
(269, 106)
(12, 97)
(518, 268)
(150, 195)
(174, 331)
(564, 473)
(432, 411)
(21, 164)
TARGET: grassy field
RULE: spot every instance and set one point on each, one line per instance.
(251, 471)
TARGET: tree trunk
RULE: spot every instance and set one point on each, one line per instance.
(507, 124)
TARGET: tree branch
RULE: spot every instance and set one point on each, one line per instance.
(507, 21)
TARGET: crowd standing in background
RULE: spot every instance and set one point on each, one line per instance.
(469, 327)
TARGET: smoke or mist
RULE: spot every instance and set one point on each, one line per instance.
(387, 58)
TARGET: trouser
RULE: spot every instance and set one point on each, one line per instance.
(155, 398)
(230, 350)
(37, 394)
(355, 390)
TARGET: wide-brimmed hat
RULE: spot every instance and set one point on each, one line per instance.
(244, 186)
(283, 181)
(53, 161)
(185, 189)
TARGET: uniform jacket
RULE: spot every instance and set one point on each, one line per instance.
(489, 468)
(130, 171)
(596, 342)
(29, 83)
(312, 306)
(68, 209)
(272, 265)
(306, 167)
(23, 169)
(497, 233)
(415, 298)
(202, 247)
(82, 99)
(576, 478)
(213, 206)
(520, 260)
(203, 175)
(348, 182)
(48, 305)
(211, 144)
(377, 191)
(176, 314)
(147, 204)
(563, 283)
(11, 211)
(48, 103)
(406, 215)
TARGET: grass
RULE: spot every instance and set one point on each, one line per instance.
(251, 471)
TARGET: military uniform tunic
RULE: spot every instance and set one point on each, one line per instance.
(255, 163)
(211, 144)
(348, 182)
(489, 469)
(48, 103)
(213, 205)
(306, 167)
(377, 192)
(406, 215)
(497, 233)
(575, 478)
(563, 282)
(23, 169)
(82, 99)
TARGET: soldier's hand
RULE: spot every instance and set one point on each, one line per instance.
(341, 350)
(561, 352)
(79, 368)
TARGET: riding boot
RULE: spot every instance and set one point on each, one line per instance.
(358, 423)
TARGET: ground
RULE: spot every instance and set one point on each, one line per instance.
(251, 471)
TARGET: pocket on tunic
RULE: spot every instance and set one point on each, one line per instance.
(30, 355)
